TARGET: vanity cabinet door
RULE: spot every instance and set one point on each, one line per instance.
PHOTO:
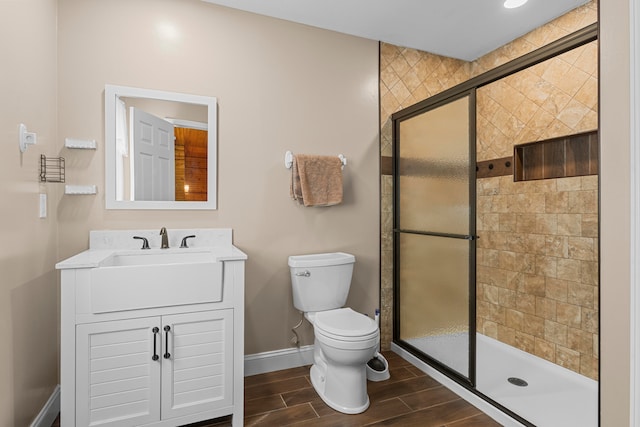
(117, 380)
(197, 375)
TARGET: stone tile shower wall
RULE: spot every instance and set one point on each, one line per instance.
(408, 76)
(554, 98)
(537, 252)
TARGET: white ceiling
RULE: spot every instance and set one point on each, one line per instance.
(463, 29)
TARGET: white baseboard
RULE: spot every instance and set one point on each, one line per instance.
(470, 397)
(49, 411)
(277, 360)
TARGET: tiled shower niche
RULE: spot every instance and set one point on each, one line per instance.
(572, 155)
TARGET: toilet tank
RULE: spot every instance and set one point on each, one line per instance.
(321, 281)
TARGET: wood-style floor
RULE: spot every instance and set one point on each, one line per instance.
(408, 398)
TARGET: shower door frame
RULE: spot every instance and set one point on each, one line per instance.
(562, 45)
(471, 236)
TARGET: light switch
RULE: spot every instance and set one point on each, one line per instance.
(43, 205)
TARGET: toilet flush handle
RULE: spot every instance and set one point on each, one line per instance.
(305, 273)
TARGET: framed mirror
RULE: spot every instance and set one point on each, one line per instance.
(160, 149)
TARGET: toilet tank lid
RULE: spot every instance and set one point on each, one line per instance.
(321, 260)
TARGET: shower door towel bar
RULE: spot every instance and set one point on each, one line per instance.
(433, 233)
(288, 160)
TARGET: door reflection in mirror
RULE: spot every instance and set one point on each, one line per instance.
(161, 150)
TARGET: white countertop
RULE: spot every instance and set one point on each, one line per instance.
(106, 243)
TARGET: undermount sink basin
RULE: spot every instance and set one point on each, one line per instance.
(158, 278)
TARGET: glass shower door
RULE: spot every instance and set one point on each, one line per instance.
(434, 229)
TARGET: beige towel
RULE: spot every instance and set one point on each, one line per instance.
(295, 190)
(316, 180)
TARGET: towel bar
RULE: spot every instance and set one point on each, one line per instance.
(288, 160)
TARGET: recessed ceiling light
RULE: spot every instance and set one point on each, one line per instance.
(512, 4)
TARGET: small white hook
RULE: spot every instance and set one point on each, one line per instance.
(25, 138)
(343, 159)
(288, 159)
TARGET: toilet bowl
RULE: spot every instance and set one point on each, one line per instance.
(345, 340)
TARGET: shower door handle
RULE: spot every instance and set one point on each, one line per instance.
(436, 234)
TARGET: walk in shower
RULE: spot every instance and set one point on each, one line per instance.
(495, 234)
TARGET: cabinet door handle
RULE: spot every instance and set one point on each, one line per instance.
(155, 331)
(167, 355)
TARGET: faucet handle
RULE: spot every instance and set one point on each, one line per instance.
(145, 242)
(184, 241)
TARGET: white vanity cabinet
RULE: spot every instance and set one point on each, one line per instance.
(139, 371)
(158, 365)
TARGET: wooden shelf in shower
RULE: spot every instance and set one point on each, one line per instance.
(571, 155)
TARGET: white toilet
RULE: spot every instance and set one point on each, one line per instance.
(344, 339)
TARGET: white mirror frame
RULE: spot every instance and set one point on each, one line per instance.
(111, 94)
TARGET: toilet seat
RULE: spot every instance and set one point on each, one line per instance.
(344, 324)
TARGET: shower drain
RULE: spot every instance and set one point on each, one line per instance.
(518, 381)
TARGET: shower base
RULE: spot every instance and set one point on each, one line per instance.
(451, 349)
(553, 397)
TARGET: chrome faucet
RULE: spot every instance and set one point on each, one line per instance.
(165, 238)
